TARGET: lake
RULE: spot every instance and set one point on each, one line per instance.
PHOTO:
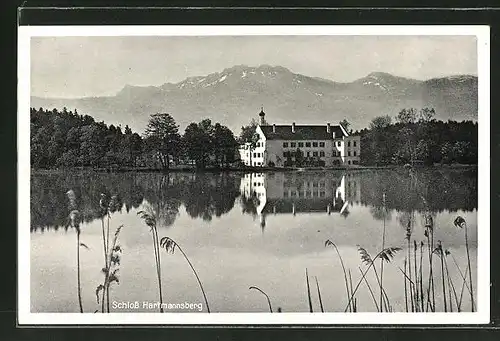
(264, 230)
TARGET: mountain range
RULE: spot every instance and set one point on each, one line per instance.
(234, 96)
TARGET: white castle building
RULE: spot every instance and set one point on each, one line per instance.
(326, 145)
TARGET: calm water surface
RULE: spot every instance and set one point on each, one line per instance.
(242, 230)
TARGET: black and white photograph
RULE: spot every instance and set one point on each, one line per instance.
(253, 175)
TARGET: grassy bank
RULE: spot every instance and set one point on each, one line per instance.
(240, 169)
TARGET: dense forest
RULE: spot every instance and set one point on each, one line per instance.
(65, 139)
(417, 137)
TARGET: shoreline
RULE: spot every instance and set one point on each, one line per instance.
(245, 169)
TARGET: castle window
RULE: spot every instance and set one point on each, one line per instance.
(292, 144)
(301, 144)
(308, 144)
(308, 154)
(315, 153)
(285, 144)
(315, 144)
(322, 144)
(354, 153)
(348, 143)
(339, 143)
(349, 153)
(354, 143)
(321, 153)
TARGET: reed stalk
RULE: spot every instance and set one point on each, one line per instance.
(309, 293)
(470, 269)
(319, 295)
(109, 265)
(406, 288)
(387, 254)
(330, 243)
(450, 283)
(417, 298)
(381, 260)
(464, 279)
(385, 298)
(439, 251)
(267, 297)
(430, 245)
(78, 270)
(170, 245)
(409, 273)
(74, 220)
(150, 219)
(461, 223)
(421, 277)
(370, 290)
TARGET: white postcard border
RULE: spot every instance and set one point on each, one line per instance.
(25, 317)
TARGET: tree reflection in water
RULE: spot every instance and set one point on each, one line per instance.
(203, 195)
(208, 195)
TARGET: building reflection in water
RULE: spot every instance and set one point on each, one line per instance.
(299, 193)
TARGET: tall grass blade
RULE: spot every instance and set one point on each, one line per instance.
(309, 293)
(439, 252)
(319, 295)
(330, 243)
(406, 287)
(450, 283)
(150, 219)
(386, 254)
(170, 245)
(417, 298)
(421, 276)
(370, 290)
(267, 297)
(461, 223)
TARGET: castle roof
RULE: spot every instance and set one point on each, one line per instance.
(302, 132)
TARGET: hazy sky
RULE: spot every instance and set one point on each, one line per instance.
(97, 66)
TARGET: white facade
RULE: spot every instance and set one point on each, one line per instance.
(335, 151)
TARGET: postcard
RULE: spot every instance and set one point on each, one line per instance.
(253, 175)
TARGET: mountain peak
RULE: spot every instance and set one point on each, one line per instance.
(379, 74)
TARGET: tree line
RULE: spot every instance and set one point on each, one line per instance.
(64, 139)
(416, 136)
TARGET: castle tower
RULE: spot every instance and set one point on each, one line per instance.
(262, 115)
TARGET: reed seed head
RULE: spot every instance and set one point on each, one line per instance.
(460, 222)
